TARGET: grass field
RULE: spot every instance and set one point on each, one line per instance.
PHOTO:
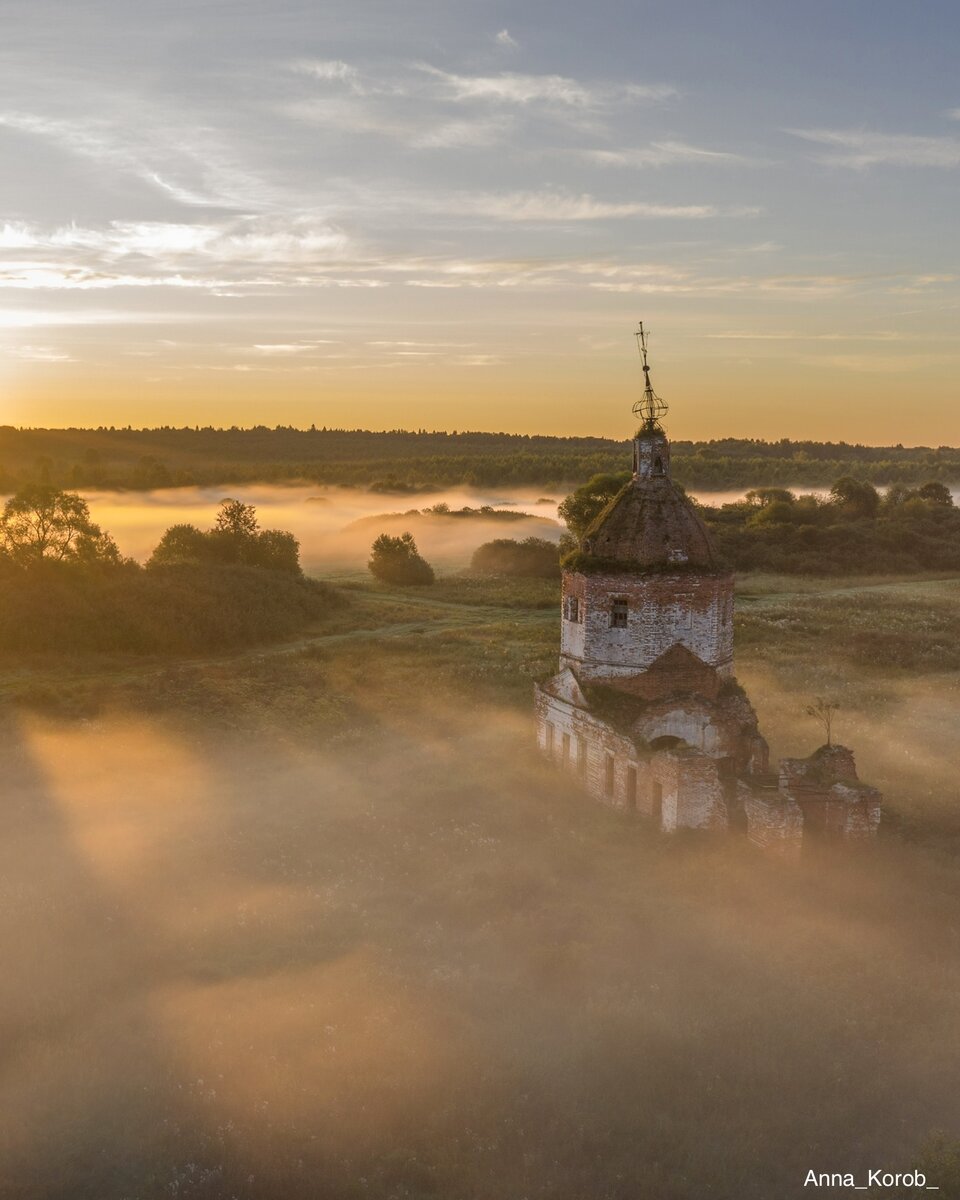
(316, 921)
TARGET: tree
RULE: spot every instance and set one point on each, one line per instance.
(823, 711)
(935, 493)
(763, 496)
(180, 543)
(237, 519)
(274, 549)
(533, 557)
(41, 523)
(856, 497)
(397, 560)
(235, 539)
(897, 494)
(581, 508)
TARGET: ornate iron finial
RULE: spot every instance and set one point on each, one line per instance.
(650, 408)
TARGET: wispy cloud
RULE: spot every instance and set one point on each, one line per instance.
(292, 240)
(557, 206)
(738, 335)
(329, 70)
(182, 163)
(46, 354)
(229, 258)
(509, 87)
(504, 38)
(660, 154)
(457, 134)
(885, 364)
(861, 148)
(426, 107)
(49, 318)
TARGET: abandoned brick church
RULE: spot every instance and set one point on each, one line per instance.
(645, 709)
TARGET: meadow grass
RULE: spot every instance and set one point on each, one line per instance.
(316, 920)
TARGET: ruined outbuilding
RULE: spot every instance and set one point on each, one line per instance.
(645, 709)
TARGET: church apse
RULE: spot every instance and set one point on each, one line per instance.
(645, 709)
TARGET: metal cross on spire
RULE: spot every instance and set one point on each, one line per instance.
(650, 408)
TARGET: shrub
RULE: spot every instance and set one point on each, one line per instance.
(532, 558)
(178, 608)
(397, 560)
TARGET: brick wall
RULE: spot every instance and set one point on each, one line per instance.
(774, 821)
(678, 788)
(694, 610)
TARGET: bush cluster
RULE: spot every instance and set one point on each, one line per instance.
(397, 560)
(186, 608)
(533, 557)
(853, 530)
(65, 587)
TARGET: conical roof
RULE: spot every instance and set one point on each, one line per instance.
(650, 525)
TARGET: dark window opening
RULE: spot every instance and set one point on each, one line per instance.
(666, 742)
(656, 804)
(658, 465)
(549, 737)
(631, 789)
(581, 756)
(609, 777)
(565, 749)
(571, 608)
(618, 614)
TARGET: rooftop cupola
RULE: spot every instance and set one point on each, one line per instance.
(651, 524)
(651, 450)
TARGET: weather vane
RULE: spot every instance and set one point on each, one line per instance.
(649, 408)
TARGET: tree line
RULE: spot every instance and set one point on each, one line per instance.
(408, 461)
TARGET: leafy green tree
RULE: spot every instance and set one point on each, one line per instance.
(235, 539)
(397, 560)
(41, 522)
(533, 557)
(935, 493)
(581, 508)
(764, 496)
(180, 543)
(237, 519)
(897, 494)
(274, 549)
(855, 497)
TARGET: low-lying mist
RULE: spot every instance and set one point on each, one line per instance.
(335, 525)
(413, 961)
(332, 523)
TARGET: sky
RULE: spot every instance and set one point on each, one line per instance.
(447, 215)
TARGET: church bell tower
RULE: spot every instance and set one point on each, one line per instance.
(646, 577)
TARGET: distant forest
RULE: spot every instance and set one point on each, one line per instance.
(403, 461)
